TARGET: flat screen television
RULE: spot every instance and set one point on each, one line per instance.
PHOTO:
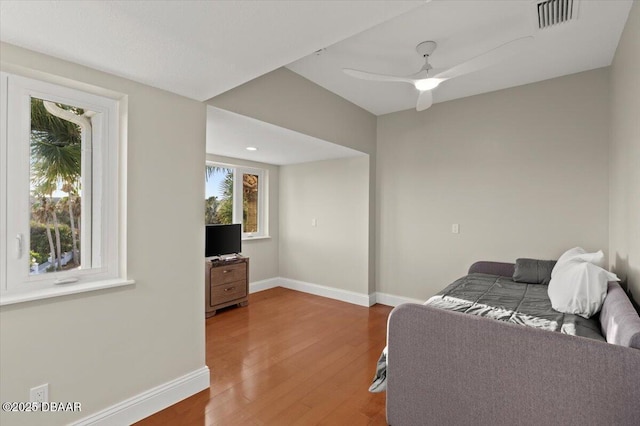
(223, 239)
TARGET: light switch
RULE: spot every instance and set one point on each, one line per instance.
(314, 222)
(455, 228)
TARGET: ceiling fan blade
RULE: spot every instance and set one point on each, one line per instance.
(425, 99)
(420, 75)
(487, 59)
(364, 75)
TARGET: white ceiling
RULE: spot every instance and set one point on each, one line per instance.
(463, 30)
(229, 134)
(198, 49)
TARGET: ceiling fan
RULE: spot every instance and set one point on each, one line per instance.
(425, 82)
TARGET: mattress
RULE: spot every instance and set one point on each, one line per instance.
(502, 299)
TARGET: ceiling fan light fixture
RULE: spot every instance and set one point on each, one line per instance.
(427, 84)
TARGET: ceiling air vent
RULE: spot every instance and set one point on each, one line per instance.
(553, 12)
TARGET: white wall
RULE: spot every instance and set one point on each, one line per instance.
(624, 190)
(262, 253)
(334, 253)
(102, 347)
(522, 170)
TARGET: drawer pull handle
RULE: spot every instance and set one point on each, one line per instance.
(225, 271)
(229, 289)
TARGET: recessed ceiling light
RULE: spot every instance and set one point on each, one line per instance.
(252, 148)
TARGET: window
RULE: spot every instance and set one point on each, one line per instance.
(59, 198)
(236, 195)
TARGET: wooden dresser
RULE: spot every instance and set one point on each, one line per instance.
(226, 284)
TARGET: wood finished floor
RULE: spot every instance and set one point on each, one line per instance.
(289, 358)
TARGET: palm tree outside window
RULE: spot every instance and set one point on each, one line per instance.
(236, 194)
(55, 178)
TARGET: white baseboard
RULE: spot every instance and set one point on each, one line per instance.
(261, 285)
(332, 292)
(324, 291)
(151, 401)
(392, 300)
(372, 299)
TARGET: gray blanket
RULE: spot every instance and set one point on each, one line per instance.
(502, 299)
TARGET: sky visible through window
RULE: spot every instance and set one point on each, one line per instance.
(213, 186)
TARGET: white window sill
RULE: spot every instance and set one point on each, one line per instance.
(61, 290)
(262, 237)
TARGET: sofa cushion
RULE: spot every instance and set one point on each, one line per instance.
(533, 271)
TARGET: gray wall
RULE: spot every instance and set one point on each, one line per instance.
(334, 253)
(103, 347)
(624, 167)
(523, 171)
(262, 253)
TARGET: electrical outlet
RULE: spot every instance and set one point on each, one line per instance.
(39, 393)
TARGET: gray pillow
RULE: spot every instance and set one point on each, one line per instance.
(533, 271)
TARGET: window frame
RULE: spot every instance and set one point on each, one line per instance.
(105, 192)
(263, 176)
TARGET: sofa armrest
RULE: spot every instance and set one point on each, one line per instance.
(446, 367)
(619, 320)
(493, 268)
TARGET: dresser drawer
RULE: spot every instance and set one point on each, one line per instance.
(226, 284)
(228, 273)
(230, 291)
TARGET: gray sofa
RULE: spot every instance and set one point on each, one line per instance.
(450, 368)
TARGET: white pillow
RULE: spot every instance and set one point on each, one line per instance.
(579, 254)
(579, 287)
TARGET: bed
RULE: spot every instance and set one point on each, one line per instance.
(447, 367)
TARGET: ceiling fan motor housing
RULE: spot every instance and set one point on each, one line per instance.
(426, 48)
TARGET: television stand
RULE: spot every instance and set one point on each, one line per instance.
(226, 284)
